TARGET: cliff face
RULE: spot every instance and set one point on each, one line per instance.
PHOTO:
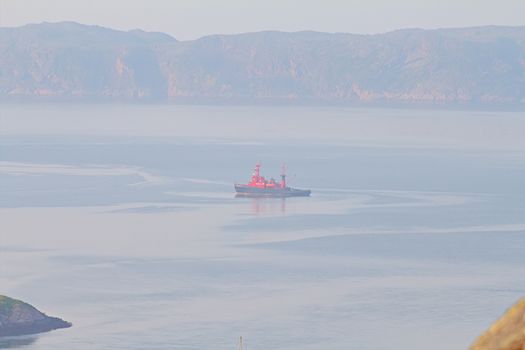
(18, 318)
(484, 65)
(508, 333)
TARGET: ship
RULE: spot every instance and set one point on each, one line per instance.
(261, 187)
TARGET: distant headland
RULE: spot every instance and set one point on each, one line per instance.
(458, 67)
(19, 318)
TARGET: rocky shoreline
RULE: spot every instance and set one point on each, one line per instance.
(19, 318)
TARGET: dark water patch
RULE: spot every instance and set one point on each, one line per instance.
(152, 209)
(460, 247)
(17, 342)
(22, 249)
(205, 276)
(390, 216)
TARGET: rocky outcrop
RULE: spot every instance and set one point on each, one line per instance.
(72, 62)
(508, 333)
(19, 318)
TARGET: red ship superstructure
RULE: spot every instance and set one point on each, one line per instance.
(259, 186)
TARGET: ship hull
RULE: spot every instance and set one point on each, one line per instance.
(250, 191)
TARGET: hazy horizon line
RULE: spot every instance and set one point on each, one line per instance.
(267, 30)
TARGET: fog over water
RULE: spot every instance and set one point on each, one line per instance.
(123, 220)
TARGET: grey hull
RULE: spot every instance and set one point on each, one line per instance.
(243, 190)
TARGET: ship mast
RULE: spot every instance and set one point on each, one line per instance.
(283, 176)
(240, 343)
(256, 177)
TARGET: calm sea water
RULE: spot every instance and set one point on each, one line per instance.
(123, 220)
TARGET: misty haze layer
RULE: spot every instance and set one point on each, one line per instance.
(483, 66)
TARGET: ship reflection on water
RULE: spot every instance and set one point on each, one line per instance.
(264, 205)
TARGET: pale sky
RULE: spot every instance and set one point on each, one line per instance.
(191, 19)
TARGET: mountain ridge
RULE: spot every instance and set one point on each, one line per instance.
(68, 61)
